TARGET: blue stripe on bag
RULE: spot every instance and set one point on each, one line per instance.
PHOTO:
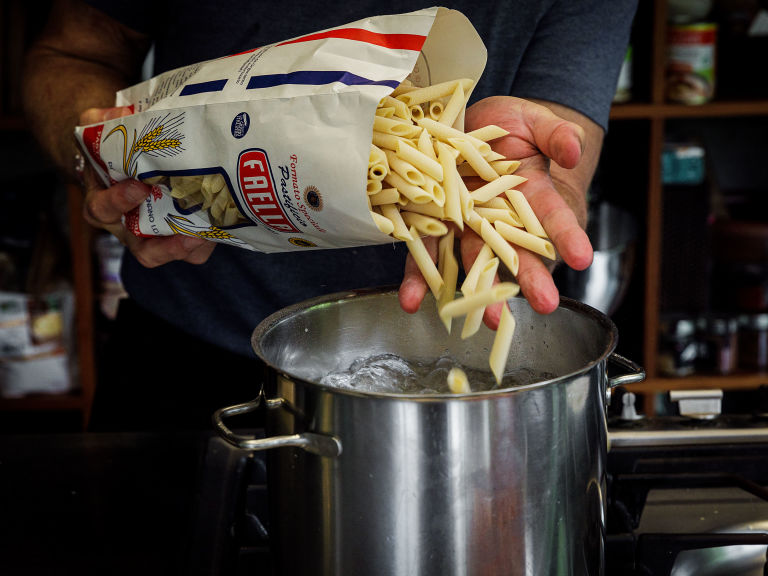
(201, 87)
(315, 78)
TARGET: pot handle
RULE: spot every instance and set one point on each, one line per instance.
(319, 444)
(637, 372)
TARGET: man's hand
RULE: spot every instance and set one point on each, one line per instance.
(536, 136)
(104, 208)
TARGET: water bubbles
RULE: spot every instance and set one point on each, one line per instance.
(389, 373)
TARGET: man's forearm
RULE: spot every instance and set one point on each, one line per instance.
(56, 91)
(80, 60)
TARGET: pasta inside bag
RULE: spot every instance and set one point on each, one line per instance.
(270, 149)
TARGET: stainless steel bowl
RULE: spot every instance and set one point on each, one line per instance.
(613, 233)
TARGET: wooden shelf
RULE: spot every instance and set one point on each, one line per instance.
(645, 111)
(741, 381)
(656, 113)
(63, 402)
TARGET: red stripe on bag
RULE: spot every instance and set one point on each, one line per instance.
(392, 41)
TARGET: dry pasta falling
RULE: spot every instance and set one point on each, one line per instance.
(415, 188)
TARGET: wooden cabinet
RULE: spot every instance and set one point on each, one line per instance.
(650, 114)
(19, 22)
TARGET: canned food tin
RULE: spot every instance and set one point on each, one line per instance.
(691, 63)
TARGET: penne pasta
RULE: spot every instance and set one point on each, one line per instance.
(451, 180)
(434, 189)
(499, 245)
(400, 230)
(400, 108)
(445, 133)
(458, 383)
(425, 263)
(388, 141)
(405, 169)
(467, 203)
(426, 146)
(413, 193)
(430, 209)
(426, 225)
(427, 164)
(474, 318)
(434, 92)
(373, 186)
(453, 107)
(385, 196)
(496, 186)
(448, 267)
(385, 225)
(416, 112)
(470, 281)
(385, 111)
(489, 132)
(435, 109)
(502, 343)
(526, 213)
(494, 215)
(395, 127)
(526, 240)
(474, 158)
(503, 167)
(498, 293)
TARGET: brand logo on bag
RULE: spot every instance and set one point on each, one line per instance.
(302, 243)
(313, 198)
(240, 125)
(258, 190)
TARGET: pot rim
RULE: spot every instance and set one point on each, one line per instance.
(289, 311)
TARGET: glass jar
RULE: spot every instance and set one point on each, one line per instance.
(677, 346)
(753, 342)
(718, 344)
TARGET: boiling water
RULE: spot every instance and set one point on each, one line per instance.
(389, 373)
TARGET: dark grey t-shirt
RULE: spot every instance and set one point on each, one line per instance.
(565, 51)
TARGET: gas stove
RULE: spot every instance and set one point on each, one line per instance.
(687, 494)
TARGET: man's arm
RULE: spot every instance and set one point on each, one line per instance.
(80, 60)
(72, 73)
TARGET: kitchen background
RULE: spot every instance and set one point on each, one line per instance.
(679, 218)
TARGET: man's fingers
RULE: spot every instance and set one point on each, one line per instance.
(413, 288)
(536, 283)
(560, 222)
(107, 206)
(154, 252)
(557, 138)
(199, 250)
(97, 115)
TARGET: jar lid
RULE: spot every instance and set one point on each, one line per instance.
(754, 321)
(718, 324)
(679, 327)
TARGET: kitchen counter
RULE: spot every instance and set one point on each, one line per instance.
(116, 504)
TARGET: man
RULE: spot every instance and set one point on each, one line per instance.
(563, 57)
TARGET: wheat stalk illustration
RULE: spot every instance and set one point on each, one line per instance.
(181, 225)
(160, 137)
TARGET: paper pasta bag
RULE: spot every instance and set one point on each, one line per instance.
(268, 149)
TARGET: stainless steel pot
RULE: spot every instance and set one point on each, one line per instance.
(510, 481)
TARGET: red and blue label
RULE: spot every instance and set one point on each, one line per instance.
(413, 42)
(258, 190)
